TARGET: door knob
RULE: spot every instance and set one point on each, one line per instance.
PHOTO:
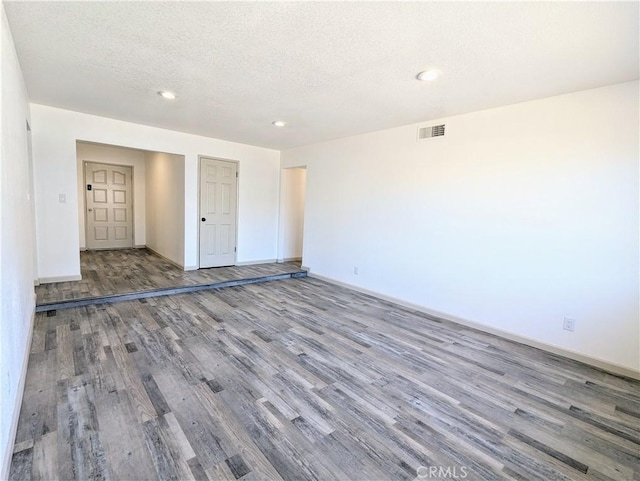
(203, 219)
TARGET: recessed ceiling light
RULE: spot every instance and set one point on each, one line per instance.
(167, 95)
(279, 123)
(429, 75)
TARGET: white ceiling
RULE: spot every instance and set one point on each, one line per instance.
(329, 69)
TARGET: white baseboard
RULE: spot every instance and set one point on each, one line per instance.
(290, 259)
(136, 246)
(561, 351)
(15, 414)
(50, 280)
(191, 268)
(253, 263)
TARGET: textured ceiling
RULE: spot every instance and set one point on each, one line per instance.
(329, 69)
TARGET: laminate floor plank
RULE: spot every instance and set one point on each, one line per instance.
(126, 456)
(87, 453)
(38, 411)
(303, 380)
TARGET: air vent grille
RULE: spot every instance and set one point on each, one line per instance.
(432, 131)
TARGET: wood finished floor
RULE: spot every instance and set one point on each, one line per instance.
(302, 380)
(125, 271)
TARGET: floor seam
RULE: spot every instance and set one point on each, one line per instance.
(164, 291)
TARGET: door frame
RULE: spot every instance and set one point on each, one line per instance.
(202, 157)
(84, 203)
(282, 218)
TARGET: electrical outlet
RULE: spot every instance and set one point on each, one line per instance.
(62, 198)
(355, 270)
(569, 324)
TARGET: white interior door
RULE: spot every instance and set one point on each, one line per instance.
(109, 206)
(218, 212)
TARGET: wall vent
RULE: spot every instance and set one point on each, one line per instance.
(428, 132)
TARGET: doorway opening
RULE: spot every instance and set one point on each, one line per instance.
(293, 183)
(156, 215)
(32, 206)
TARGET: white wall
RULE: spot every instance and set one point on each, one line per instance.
(55, 132)
(165, 205)
(107, 154)
(292, 191)
(518, 217)
(16, 243)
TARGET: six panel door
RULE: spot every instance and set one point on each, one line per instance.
(218, 190)
(109, 206)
